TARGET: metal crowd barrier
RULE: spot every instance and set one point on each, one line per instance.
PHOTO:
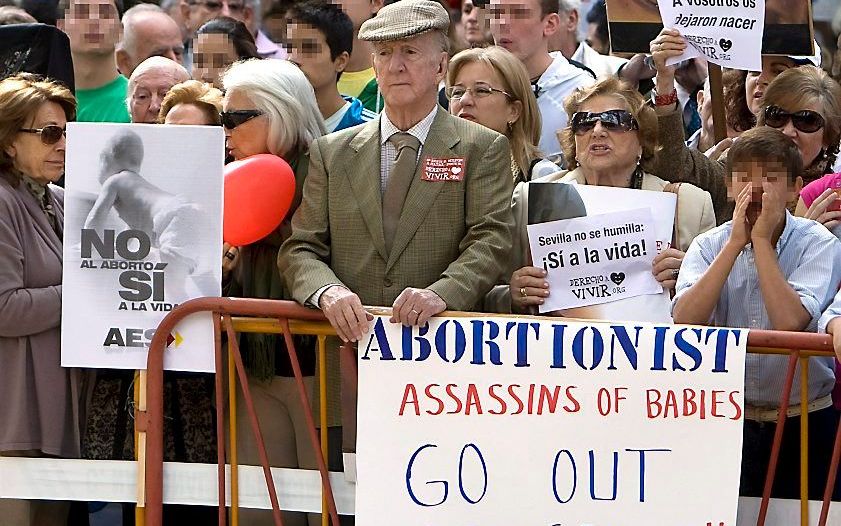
(289, 318)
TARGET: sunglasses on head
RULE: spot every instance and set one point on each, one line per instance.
(807, 121)
(232, 119)
(49, 134)
(612, 120)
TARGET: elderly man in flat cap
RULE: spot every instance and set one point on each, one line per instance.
(410, 210)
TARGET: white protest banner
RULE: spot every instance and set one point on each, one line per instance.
(560, 201)
(509, 421)
(596, 259)
(143, 233)
(725, 32)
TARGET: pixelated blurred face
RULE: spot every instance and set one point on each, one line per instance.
(409, 71)
(309, 51)
(212, 54)
(475, 22)
(42, 162)
(93, 26)
(757, 81)
(477, 95)
(187, 114)
(519, 26)
(761, 174)
(148, 90)
(250, 137)
(358, 10)
(203, 10)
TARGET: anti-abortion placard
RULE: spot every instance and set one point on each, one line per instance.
(143, 233)
(497, 421)
(596, 259)
(597, 244)
(730, 38)
(787, 24)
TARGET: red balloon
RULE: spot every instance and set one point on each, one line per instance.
(258, 193)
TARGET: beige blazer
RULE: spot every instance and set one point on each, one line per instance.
(694, 209)
(451, 238)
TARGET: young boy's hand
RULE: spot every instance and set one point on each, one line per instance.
(740, 234)
(771, 215)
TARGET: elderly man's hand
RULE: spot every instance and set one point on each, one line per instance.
(345, 313)
(416, 306)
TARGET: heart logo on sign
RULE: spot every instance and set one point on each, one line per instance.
(725, 44)
(456, 170)
(617, 277)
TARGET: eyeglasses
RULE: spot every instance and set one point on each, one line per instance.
(49, 134)
(612, 120)
(213, 5)
(480, 91)
(807, 121)
(232, 119)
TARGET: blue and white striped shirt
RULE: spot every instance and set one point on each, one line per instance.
(810, 258)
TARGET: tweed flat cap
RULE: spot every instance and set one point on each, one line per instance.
(405, 19)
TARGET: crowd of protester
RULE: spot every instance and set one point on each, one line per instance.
(353, 96)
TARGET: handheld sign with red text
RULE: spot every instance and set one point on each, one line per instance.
(502, 421)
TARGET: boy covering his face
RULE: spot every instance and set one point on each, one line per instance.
(766, 269)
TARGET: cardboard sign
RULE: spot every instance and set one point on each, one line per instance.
(582, 209)
(143, 233)
(596, 259)
(503, 421)
(633, 24)
(730, 39)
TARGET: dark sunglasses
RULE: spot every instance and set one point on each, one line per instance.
(807, 121)
(612, 120)
(49, 134)
(232, 119)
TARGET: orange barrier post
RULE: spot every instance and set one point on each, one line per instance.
(150, 421)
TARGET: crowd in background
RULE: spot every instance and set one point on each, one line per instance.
(353, 95)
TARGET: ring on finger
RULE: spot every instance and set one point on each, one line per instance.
(230, 255)
(416, 312)
(675, 272)
(523, 292)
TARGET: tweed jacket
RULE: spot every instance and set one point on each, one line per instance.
(40, 408)
(694, 212)
(677, 162)
(451, 237)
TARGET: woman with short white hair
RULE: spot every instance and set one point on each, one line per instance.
(270, 107)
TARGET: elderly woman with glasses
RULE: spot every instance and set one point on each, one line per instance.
(270, 108)
(491, 86)
(610, 140)
(40, 409)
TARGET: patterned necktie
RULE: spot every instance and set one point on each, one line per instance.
(399, 180)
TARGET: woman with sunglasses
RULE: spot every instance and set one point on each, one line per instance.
(270, 108)
(40, 409)
(610, 140)
(676, 162)
(491, 86)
